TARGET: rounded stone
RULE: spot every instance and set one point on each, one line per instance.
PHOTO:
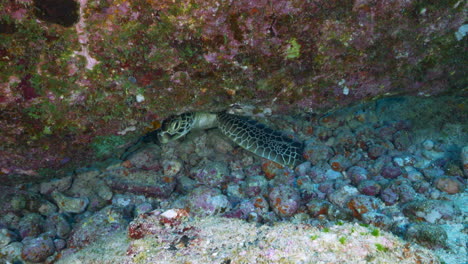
(357, 174)
(70, 204)
(12, 252)
(171, 167)
(284, 200)
(210, 173)
(6, 237)
(205, 201)
(60, 185)
(391, 172)
(368, 187)
(38, 249)
(255, 186)
(449, 185)
(429, 235)
(31, 225)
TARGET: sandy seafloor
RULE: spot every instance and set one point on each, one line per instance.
(383, 182)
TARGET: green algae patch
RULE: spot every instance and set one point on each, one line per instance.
(293, 50)
(105, 146)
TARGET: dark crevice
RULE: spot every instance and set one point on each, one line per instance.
(61, 12)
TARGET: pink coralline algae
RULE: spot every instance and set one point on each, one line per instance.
(73, 72)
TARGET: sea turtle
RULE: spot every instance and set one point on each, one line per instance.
(247, 133)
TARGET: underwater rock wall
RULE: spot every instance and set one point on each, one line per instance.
(77, 76)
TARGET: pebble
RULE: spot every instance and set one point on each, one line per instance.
(146, 158)
(317, 207)
(341, 196)
(205, 201)
(412, 174)
(145, 182)
(107, 221)
(449, 185)
(47, 208)
(210, 173)
(391, 172)
(6, 237)
(428, 235)
(70, 204)
(255, 186)
(317, 153)
(142, 208)
(171, 167)
(90, 184)
(60, 244)
(284, 200)
(340, 163)
(361, 204)
(377, 219)
(402, 140)
(37, 249)
(12, 252)
(431, 211)
(31, 225)
(58, 224)
(60, 185)
(389, 196)
(357, 174)
(428, 144)
(369, 187)
(185, 184)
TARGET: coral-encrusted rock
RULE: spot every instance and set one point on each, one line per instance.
(37, 249)
(149, 183)
(391, 172)
(70, 204)
(242, 211)
(210, 173)
(60, 244)
(357, 174)
(369, 187)
(171, 167)
(88, 183)
(402, 140)
(185, 184)
(284, 200)
(271, 169)
(12, 252)
(377, 219)
(432, 211)
(162, 224)
(318, 207)
(255, 186)
(60, 185)
(375, 151)
(340, 163)
(15, 200)
(31, 225)
(6, 237)
(204, 201)
(146, 157)
(317, 153)
(323, 173)
(428, 235)
(389, 196)
(341, 196)
(361, 204)
(109, 220)
(450, 185)
(58, 224)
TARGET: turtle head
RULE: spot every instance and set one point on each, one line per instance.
(175, 127)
